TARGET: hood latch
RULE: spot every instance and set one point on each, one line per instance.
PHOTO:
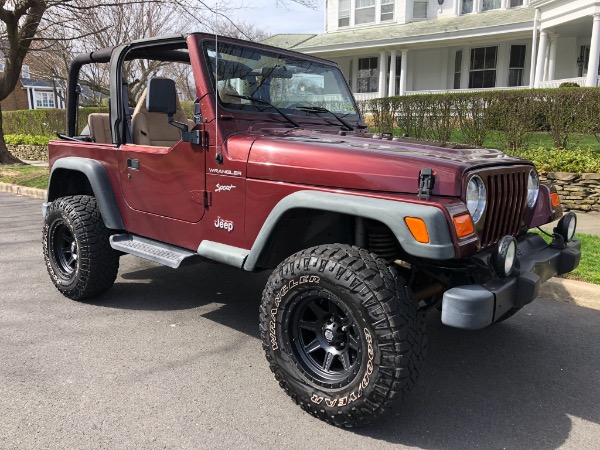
(426, 182)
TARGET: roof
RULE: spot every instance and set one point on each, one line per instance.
(287, 40)
(418, 31)
(33, 83)
(88, 92)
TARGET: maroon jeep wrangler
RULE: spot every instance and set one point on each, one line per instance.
(276, 171)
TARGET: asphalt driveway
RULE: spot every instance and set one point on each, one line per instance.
(172, 359)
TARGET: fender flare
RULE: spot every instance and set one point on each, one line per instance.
(389, 212)
(98, 179)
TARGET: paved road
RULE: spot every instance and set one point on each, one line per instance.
(172, 359)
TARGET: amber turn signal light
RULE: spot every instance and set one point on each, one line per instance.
(418, 229)
(555, 199)
(463, 225)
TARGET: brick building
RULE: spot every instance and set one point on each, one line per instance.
(33, 94)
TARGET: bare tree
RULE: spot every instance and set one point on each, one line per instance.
(239, 30)
(23, 22)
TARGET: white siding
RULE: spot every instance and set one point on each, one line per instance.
(403, 11)
(427, 67)
(344, 64)
(332, 15)
(567, 53)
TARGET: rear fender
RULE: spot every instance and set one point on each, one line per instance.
(82, 170)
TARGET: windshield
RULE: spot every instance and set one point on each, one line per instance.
(286, 82)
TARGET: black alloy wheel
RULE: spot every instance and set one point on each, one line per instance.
(65, 253)
(325, 338)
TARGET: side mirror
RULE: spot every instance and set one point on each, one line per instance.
(161, 96)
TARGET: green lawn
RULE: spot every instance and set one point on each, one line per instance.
(589, 269)
(30, 176)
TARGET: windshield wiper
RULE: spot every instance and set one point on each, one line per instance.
(266, 103)
(318, 109)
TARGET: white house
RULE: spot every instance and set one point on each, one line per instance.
(399, 47)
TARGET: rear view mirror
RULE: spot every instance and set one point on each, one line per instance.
(161, 96)
(276, 72)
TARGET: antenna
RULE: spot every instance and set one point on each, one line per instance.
(219, 155)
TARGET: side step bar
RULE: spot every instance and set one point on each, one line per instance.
(159, 252)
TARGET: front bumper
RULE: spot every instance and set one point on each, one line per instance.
(473, 307)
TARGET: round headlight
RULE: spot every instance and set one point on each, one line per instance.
(505, 256)
(566, 226)
(533, 188)
(476, 198)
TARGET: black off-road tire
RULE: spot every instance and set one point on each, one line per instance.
(331, 300)
(78, 255)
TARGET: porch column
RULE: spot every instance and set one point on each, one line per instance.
(465, 68)
(592, 74)
(403, 71)
(534, 43)
(392, 84)
(504, 4)
(552, 59)
(541, 59)
(354, 75)
(477, 6)
(382, 73)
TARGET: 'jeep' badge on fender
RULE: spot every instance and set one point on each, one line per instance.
(224, 224)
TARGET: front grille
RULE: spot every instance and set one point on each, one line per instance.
(506, 197)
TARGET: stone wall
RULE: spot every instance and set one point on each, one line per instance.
(579, 192)
(29, 152)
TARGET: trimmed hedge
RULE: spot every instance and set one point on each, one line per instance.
(43, 122)
(517, 113)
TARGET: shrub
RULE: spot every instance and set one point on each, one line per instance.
(383, 115)
(188, 108)
(559, 160)
(26, 139)
(562, 109)
(563, 113)
(569, 84)
(43, 122)
(512, 113)
(471, 110)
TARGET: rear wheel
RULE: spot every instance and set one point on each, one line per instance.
(77, 252)
(341, 333)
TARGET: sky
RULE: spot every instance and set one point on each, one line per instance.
(282, 19)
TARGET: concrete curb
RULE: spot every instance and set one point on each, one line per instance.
(23, 190)
(571, 291)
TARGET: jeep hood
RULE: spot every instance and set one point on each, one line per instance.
(364, 163)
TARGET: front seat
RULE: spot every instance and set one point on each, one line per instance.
(152, 128)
